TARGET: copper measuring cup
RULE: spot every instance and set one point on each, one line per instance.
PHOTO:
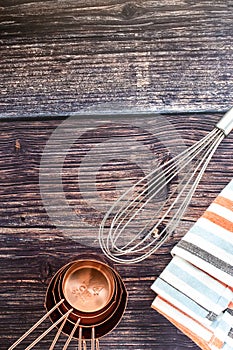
(79, 282)
(67, 304)
(94, 315)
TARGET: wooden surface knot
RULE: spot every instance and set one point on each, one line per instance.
(131, 10)
(46, 271)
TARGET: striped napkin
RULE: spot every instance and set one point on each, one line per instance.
(195, 290)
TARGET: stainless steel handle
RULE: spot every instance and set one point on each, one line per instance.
(226, 123)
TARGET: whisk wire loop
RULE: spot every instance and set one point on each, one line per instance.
(170, 170)
(186, 170)
(114, 237)
(186, 180)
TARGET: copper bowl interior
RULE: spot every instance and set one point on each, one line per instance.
(108, 325)
(87, 319)
(88, 286)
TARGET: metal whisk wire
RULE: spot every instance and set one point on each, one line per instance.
(152, 235)
(150, 187)
(187, 181)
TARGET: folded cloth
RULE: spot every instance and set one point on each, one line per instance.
(195, 290)
(209, 243)
(220, 337)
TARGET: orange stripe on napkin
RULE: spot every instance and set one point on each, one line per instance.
(218, 220)
(224, 202)
(217, 342)
(200, 342)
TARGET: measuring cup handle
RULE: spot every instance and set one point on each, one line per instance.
(97, 344)
(82, 345)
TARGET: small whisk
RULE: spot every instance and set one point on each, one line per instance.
(143, 218)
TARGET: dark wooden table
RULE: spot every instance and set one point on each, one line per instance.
(162, 60)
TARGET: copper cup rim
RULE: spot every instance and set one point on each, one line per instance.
(101, 316)
(59, 273)
(114, 297)
(102, 272)
(79, 313)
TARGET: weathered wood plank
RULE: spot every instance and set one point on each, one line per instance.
(20, 165)
(58, 58)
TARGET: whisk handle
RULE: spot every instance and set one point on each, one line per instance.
(226, 123)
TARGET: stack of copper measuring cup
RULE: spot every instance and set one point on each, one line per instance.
(85, 300)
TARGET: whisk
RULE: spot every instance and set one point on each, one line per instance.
(147, 214)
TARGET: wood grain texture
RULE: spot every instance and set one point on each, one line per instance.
(33, 248)
(62, 57)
